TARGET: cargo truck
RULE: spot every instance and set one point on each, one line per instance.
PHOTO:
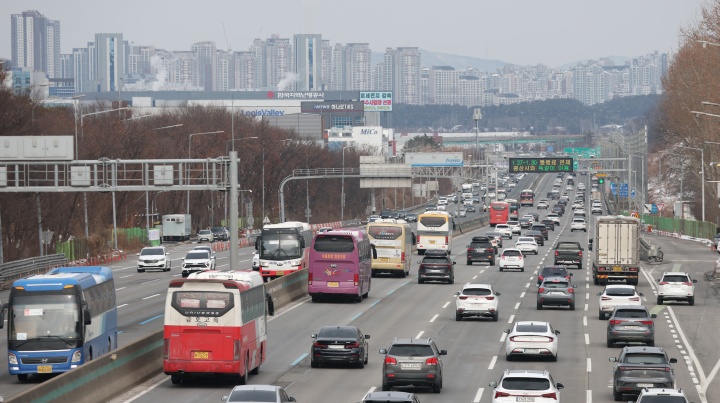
(616, 249)
(176, 227)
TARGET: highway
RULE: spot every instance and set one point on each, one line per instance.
(403, 308)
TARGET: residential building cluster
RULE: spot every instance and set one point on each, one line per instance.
(306, 62)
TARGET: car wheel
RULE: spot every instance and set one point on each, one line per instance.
(458, 317)
(314, 364)
(360, 364)
(452, 280)
(437, 387)
(618, 396)
(601, 315)
(141, 270)
(691, 301)
(385, 387)
(579, 267)
(539, 306)
(492, 262)
(610, 343)
(501, 268)
(659, 300)
(24, 377)
(572, 306)
(175, 379)
(509, 358)
(595, 280)
(522, 269)
(420, 281)
(496, 316)
(366, 357)
(469, 262)
(651, 343)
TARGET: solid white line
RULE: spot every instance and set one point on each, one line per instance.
(517, 305)
(511, 319)
(152, 296)
(371, 390)
(589, 365)
(120, 306)
(446, 304)
(434, 317)
(121, 288)
(420, 334)
(129, 275)
(587, 338)
(492, 362)
(277, 315)
(478, 395)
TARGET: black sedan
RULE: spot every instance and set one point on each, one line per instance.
(550, 224)
(339, 344)
(539, 237)
(411, 217)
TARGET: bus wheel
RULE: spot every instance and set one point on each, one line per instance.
(175, 379)
(22, 377)
(358, 298)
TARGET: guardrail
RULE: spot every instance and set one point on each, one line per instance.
(11, 271)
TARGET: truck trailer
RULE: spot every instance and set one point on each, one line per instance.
(176, 227)
(616, 249)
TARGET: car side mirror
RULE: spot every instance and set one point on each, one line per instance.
(367, 336)
(314, 336)
(599, 294)
(457, 293)
(443, 352)
(493, 384)
(454, 262)
(167, 253)
(559, 386)
(87, 319)
(694, 281)
(498, 294)
(641, 294)
(612, 359)
(271, 304)
(419, 261)
(673, 360)
(653, 316)
(570, 274)
(658, 280)
(382, 351)
(291, 399)
(508, 330)
(557, 332)
(137, 254)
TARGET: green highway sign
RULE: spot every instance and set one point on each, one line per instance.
(541, 165)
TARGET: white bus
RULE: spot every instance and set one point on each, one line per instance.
(283, 248)
(434, 231)
(394, 243)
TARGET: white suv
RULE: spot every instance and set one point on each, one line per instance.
(512, 258)
(659, 395)
(197, 260)
(578, 224)
(153, 258)
(676, 286)
(526, 386)
(505, 230)
(479, 300)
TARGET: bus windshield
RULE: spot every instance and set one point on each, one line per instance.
(280, 247)
(44, 315)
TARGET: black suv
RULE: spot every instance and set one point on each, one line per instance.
(413, 362)
(542, 228)
(549, 223)
(436, 265)
(640, 367)
(219, 233)
(481, 249)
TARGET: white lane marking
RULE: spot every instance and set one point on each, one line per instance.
(589, 365)
(585, 321)
(446, 304)
(152, 296)
(587, 338)
(129, 275)
(151, 281)
(511, 319)
(121, 288)
(531, 277)
(588, 399)
(478, 395)
(522, 294)
(120, 306)
(587, 295)
(371, 390)
(503, 337)
(147, 390)
(492, 362)
(517, 305)
(481, 271)
(420, 334)
(586, 307)
(277, 315)
(527, 285)
(474, 277)
(434, 317)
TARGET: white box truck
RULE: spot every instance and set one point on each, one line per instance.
(616, 249)
(176, 227)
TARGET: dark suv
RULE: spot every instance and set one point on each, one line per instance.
(219, 233)
(641, 367)
(436, 265)
(413, 362)
(549, 223)
(481, 249)
(631, 323)
(553, 271)
(542, 228)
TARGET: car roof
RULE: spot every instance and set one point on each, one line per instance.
(511, 249)
(676, 272)
(256, 387)
(619, 286)
(436, 252)
(389, 396)
(526, 239)
(476, 285)
(643, 349)
(633, 307)
(411, 341)
(531, 322)
(526, 373)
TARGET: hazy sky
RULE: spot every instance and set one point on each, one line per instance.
(526, 32)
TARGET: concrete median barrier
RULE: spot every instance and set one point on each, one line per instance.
(289, 288)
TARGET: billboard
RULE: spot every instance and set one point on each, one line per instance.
(541, 165)
(434, 159)
(377, 101)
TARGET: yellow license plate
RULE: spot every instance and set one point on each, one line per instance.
(384, 260)
(201, 355)
(44, 369)
(617, 268)
(279, 273)
(333, 284)
(432, 242)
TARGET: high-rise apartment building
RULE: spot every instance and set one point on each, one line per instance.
(402, 75)
(307, 62)
(274, 63)
(206, 56)
(247, 76)
(35, 43)
(81, 69)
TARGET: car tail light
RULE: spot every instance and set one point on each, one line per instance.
(556, 253)
(237, 349)
(501, 394)
(390, 360)
(417, 239)
(646, 322)
(688, 283)
(431, 361)
(571, 290)
(320, 345)
(616, 321)
(463, 298)
(520, 257)
(353, 344)
(635, 299)
(402, 257)
(470, 250)
(633, 269)
(663, 283)
(605, 299)
(356, 279)
(489, 298)
(310, 278)
(580, 254)
(541, 289)
(446, 241)
(552, 395)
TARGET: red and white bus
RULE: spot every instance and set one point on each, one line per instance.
(527, 197)
(499, 212)
(216, 325)
(514, 208)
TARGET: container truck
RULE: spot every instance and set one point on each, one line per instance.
(176, 227)
(616, 249)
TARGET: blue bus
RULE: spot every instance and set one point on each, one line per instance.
(58, 320)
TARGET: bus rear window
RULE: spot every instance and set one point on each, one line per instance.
(499, 207)
(384, 232)
(433, 221)
(202, 303)
(334, 243)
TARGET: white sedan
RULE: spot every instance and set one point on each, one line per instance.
(554, 217)
(505, 230)
(614, 295)
(527, 244)
(512, 258)
(531, 339)
(578, 224)
(515, 227)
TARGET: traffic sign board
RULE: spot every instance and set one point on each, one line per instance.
(601, 174)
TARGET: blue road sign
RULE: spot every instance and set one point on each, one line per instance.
(613, 189)
(632, 194)
(623, 190)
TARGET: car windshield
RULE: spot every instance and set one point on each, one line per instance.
(151, 252)
(476, 291)
(337, 332)
(196, 255)
(631, 313)
(519, 383)
(411, 350)
(620, 292)
(531, 328)
(204, 232)
(252, 396)
(645, 359)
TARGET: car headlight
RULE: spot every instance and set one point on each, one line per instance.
(12, 358)
(295, 263)
(77, 355)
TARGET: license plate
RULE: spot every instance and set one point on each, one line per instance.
(617, 268)
(629, 327)
(432, 242)
(532, 351)
(201, 355)
(524, 399)
(279, 273)
(556, 293)
(645, 385)
(410, 365)
(383, 260)
(336, 346)
(333, 284)
(44, 369)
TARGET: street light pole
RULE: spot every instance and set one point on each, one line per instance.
(342, 186)
(187, 179)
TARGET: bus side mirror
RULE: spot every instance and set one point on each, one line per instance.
(3, 307)
(374, 251)
(86, 317)
(302, 243)
(258, 241)
(271, 304)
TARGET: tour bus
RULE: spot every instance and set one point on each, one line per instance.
(394, 243)
(499, 212)
(215, 325)
(283, 248)
(514, 209)
(60, 319)
(434, 231)
(527, 197)
(340, 264)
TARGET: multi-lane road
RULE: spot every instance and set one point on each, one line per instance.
(402, 308)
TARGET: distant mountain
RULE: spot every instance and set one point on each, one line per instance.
(614, 61)
(430, 59)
